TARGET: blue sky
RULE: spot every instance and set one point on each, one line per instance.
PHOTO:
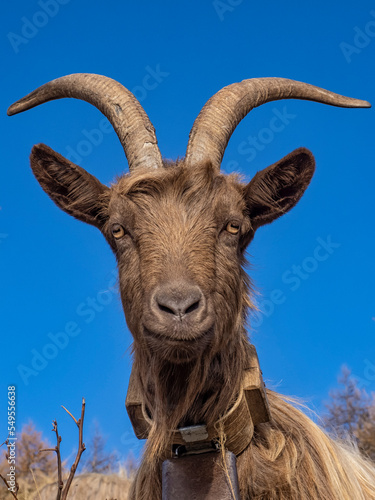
(57, 273)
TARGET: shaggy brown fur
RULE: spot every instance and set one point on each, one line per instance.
(175, 225)
(290, 458)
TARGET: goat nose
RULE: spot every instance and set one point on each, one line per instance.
(179, 301)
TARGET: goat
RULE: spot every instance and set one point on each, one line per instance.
(179, 230)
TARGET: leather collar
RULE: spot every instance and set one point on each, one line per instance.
(236, 426)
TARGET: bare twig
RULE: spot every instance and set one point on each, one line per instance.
(68, 412)
(7, 485)
(81, 449)
(62, 492)
(59, 469)
(60, 482)
(6, 442)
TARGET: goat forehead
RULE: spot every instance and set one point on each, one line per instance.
(180, 200)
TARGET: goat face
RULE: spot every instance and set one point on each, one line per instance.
(179, 235)
(179, 230)
(179, 257)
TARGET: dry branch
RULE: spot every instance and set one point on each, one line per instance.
(81, 449)
(6, 484)
(62, 492)
(14, 494)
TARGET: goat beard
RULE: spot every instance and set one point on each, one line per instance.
(198, 391)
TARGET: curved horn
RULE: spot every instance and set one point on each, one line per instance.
(220, 116)
(119, 105)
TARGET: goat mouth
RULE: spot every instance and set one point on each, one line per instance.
(177, 340)
(178, 350)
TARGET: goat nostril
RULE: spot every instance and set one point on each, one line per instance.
(166, 309)
(193, 307)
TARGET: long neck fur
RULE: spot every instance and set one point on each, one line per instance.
(289, 458)
(191, 393)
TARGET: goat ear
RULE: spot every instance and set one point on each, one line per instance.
(276, 189)
(72, 188)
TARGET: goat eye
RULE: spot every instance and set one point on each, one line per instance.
(118, 231)
(233, 227)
